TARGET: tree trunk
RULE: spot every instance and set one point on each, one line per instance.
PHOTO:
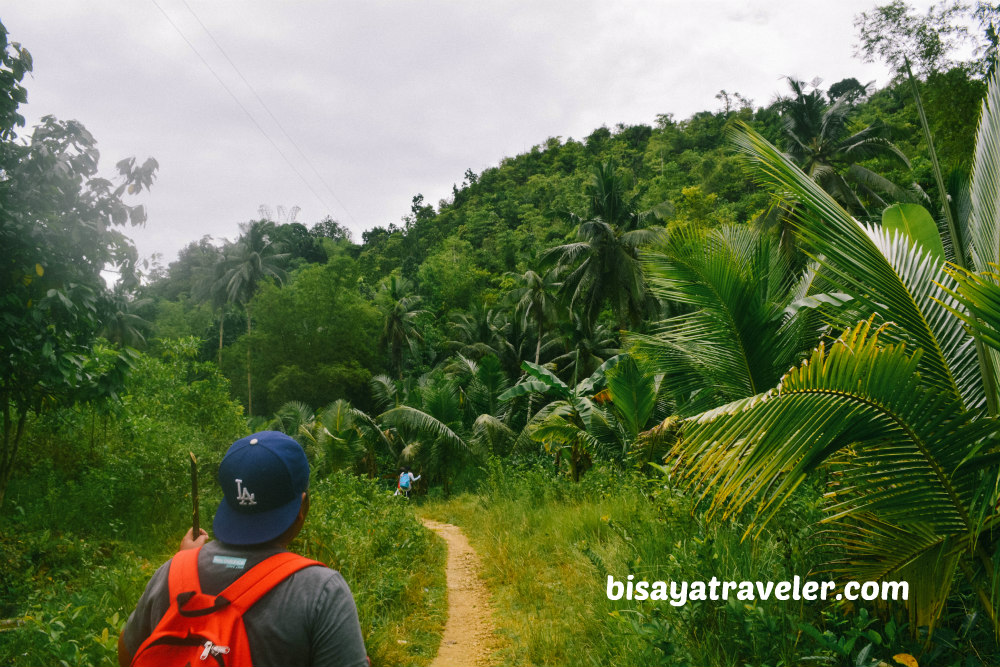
(538, 347)
(538, 358)
(10, 445)
(249, 394)
(222, 321)
(397, 357)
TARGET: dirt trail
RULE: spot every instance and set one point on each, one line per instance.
(468, 634)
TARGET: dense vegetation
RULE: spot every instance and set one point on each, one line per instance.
(672, 351)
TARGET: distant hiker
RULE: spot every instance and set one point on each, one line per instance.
(405, 482)
(295, 611)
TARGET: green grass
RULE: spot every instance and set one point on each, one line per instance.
(394, 566)
(72, 591)
(548, 545)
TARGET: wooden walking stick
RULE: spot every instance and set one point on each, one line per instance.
(195, 528)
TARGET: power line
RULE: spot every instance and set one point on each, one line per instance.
(240, 104)
(268, 110)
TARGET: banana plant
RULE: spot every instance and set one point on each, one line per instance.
(563, 425)
(898, 409)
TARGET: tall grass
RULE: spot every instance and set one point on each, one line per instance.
(395, 568)
(92, 512)
(70, 592)
(548, 546)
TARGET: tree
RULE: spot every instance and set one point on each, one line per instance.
(535, 302)
(579, 347)
(122, 324)
(635, 399)
(894, 33)
(744, 314)
(255, 258)
(479, 385)
(432, 432)
(328, 228)
(901, 407)
(190, 274)
(476, 332)
(850, 88)
(59, 228)
(314, 338)
(818, 137)
(565, 423)
(449, 277)
(401, 312)
(602, 266)
(344, 437)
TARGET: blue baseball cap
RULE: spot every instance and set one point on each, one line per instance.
(263, 477)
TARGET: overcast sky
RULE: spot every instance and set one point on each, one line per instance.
(369, 103)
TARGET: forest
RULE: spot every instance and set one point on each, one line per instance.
(756, 343)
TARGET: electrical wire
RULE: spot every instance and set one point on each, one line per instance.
(268, 110)
(240, 104)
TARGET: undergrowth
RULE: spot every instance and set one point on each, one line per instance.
(548, 546)
(101, 500)
(67, 594)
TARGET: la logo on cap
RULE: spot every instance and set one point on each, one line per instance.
(243, 494)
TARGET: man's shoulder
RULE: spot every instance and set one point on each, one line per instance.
(219, 555)
(318, 581)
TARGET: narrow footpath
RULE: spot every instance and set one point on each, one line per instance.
(469, 635)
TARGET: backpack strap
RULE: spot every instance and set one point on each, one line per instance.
(184, 585)
(262, 577)
(182, 577)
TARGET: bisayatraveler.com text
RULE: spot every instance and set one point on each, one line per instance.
(679, 593)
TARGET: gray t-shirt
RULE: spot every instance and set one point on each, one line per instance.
(308, 619)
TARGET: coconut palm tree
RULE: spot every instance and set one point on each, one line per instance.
(345, 437)
(432, 433)
(900, 408)
(122, 324)
(514, 342)
(290, 417)
(475, 333)
(579, 346)
(479, 384)
(564, 423)
(634, 399)
(535, 301)
(746, 319)
(215, 290)
(400, 329)
(820, 140)
(602, 265)
(818, 137)
(254, 258)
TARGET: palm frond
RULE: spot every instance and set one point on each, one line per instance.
(492, 434)
(737, 283)
(882, 274)
(916, 554)
(419, 421)
(985, 192)
(978, 297)
(895, 442)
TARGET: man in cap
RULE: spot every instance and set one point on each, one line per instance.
(307, 619)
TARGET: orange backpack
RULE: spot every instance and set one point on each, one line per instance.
(197, 627)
